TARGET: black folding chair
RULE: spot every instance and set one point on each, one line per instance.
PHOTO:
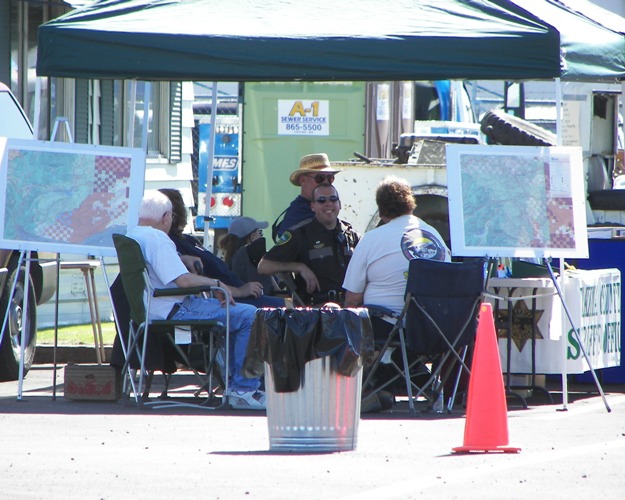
(286, 279)
(437, 324)
(139, 293)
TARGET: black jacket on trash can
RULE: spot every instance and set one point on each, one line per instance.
(287, 338)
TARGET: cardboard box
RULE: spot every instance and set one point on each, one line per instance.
(92, 383)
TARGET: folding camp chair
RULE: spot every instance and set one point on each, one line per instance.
(139, 293)
(438, 323)
(286, 279)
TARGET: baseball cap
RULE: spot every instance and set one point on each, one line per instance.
(243, 226)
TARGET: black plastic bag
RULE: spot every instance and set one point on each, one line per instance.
(283, 338)
(286, 339)
(347, 336)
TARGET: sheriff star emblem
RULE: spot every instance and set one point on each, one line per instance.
(522, 324)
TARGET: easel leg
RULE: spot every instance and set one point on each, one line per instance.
(91, 300)
(25, 327)
(56, 324)
(576, 333)
(96, 310)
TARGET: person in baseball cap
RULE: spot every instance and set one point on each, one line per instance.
(314, 169)
(242, 249)
(243, 227)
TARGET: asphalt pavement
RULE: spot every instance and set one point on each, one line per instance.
(57, 448)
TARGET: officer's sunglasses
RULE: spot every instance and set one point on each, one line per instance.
(322, 199)
(319, 178)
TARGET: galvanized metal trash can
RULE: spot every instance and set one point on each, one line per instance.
(312, 360)
(321, 416)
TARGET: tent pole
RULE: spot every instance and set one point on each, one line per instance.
(37, 115)
(209, 169)
(132, 101)
(563, 374)
(558, 112)
(147, 94)
(622, 124)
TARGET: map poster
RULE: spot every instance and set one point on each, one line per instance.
(67, 198)
(516, 201)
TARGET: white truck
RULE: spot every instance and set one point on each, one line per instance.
(424, 167)
(42, 286)
(443, 114)
(591, 118)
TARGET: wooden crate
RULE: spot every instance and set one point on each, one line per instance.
(91, 382)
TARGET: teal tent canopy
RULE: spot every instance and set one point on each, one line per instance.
(592, 47)
(283, 40)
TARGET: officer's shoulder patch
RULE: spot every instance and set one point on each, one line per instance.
(285, 238)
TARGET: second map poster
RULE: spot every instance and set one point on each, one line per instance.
(513, 201)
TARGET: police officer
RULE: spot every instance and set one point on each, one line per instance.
(316, 250)
(313, 170)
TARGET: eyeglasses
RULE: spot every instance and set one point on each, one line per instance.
(322, 199)
(319, 178)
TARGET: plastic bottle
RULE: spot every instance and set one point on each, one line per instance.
(439, 403)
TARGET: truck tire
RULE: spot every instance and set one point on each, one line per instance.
(10, 348)
(509, 130)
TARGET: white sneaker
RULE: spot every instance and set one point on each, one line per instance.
(250, 400)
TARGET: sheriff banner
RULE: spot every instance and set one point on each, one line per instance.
(535, 332)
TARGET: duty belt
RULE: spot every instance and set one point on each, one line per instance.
(323, 297)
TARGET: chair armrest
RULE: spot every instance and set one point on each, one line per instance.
(169, 292)
(286, 278)
(380, 311)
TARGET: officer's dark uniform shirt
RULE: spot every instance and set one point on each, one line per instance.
(325, 252)
(298, 211)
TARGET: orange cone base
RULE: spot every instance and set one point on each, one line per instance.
(486, 426)
(486, 449)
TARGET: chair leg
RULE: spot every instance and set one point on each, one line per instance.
(166, 381)
(128, 385)
(129, 382)
(148, 385)
(404, 355)
(212, 368)
(452, 399)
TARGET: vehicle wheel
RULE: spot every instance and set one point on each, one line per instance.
(10, 348)
(509, 130)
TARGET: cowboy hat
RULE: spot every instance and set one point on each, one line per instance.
(312, 164)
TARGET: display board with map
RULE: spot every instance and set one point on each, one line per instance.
(67, 198)
(516, 201)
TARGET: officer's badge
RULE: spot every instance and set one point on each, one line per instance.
(285, 238)
(318, 244)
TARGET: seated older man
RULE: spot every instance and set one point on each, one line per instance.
(165, 269)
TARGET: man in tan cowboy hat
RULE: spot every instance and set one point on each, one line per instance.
(313, 170)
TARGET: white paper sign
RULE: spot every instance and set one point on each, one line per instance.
(182, 335)
(303, 117)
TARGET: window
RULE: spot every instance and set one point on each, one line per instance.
(113, 112)
(32, 92)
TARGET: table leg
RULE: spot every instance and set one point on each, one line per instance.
(90, 300)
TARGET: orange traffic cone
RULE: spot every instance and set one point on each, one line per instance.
(486, 426)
